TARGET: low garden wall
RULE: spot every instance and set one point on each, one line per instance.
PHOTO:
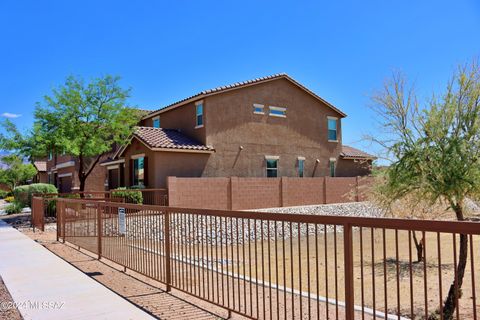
(252, 193)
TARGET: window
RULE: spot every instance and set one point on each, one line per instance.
(199, 115)
(332, 167)
(139, 171)
(272, 167)
(156, 122)
(258, 108)
(301, 167)
(278, 111)
(332, 129)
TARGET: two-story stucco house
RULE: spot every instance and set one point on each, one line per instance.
(267, 127)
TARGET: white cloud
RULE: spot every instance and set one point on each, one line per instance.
(10, 115)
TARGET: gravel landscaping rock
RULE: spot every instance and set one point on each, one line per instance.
(226, 231)
(352, 209)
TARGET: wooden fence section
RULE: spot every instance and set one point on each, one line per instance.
(252, 193)
(288, 266)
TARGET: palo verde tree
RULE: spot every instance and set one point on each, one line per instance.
(84, 120)
(435, 149)
(16, 171)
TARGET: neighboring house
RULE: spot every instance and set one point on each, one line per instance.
(41, 176)
(267, 127)
(62, 171)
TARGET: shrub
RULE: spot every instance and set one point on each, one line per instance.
(3, 194)
(14, 207)
(9, 199)
(128, 195)
(23, 194)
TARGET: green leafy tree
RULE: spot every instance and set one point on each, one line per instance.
(16, 172)
(85, 120)
(435, 149)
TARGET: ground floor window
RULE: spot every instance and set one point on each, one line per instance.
(301, 167)
(139, 171)
(332, 168)
(272, 168)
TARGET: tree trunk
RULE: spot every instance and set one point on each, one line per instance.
(81, 175)
(418, 246)
(455, 288)
(82, 180)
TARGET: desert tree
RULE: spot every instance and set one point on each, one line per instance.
(84, 120)
(16, 171)
(434, 148)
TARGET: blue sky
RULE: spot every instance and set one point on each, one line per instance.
(342, 50)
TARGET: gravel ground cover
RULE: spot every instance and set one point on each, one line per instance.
(7, 309)
(352, 209)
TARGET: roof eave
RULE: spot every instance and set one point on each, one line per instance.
(204, 95)
(358, 158)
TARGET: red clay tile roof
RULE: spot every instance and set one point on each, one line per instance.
(237, 85)
(40, 165)
(168, 138)
(349, 152)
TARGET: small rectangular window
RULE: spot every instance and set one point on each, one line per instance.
(156, 122)
(301, 167)
(332, 168)
(199, 115)
(277, 111)
(332, 129)
(258, 108)
(272, 168)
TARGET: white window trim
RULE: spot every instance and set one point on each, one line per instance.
(113, 167)
(333, 159)
(203, 114)
(136, 156)
(277, 109)
(63, 175)
(301, 158)
(257, 105)
(336, 119)
(65, 164)
(272, 158)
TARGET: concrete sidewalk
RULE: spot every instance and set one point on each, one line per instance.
(46, 287)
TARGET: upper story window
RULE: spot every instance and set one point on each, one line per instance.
(258, 108)
(278, 111)
(301, 167)
(156, 122)
(272, 166)
(332, 129)
(199, 115)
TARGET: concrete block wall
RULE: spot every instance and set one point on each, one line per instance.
(253, 193)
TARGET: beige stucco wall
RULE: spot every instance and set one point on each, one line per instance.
(231, 123)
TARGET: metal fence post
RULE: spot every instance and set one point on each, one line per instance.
(168, 275)
(99, 231)
(58, 215)
(349, 289)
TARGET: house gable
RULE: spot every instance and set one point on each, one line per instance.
(240, 85)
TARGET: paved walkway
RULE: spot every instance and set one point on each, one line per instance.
(47, 287)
